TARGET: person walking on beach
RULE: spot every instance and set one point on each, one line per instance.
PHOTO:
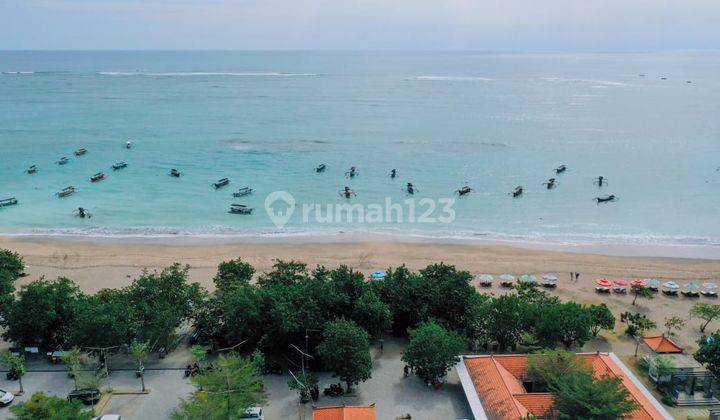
(577, 277)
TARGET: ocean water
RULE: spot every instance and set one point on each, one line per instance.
(266, 119)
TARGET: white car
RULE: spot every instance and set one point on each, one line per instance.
(253, 413)
(6, 397)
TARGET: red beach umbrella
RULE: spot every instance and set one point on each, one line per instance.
(638, 282)
(603, 282)
(621, 282)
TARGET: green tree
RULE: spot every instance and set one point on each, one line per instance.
(43, 314)
(601, 318)
(303, 383)
(550, 366)
(641, 291)
(709, 353)
(17, 363)
(73, 361)
(399, 290)
(160, 302)
(505, 317)
(231, 274)
(433, 351)
(285, 272)
(225, 392)
(11, 262)
(371, 313)
(43, 407)
(345, 350)
(7, 290)
(707, 312)
(579, 396)
(140, 350)
(198, 354)
(568, 323)
(674, 323)
(105, 319)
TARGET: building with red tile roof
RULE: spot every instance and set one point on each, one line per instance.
(662, 344)
(493, 385)
(344, 412)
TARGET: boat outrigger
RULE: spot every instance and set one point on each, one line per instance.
(66, 191)
(80, 152)
(606, 199)
(240, 209)
(352, 172)
(174, 172)
(463, 191)
(97, 177)
(32, 169)
(63, 160)
(221, 183)
(550, 183)
(8, 201)
(243, 192)
(320, 168)
(517, 192)
(560, 169)
(119, 165)
(347, 192)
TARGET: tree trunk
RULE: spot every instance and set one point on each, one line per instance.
(637, 346)
(348, 387)
(142, 381)
(703, 326)
(22, 391)
(635, 298)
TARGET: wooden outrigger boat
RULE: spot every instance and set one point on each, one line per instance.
(80, 152)
(240, 209)
(174, 172)
(119, 165)
(517, 192)
(63, 160)
(97, 177)
(66, 191)
(32, 169)
(560, 169)
(221, 183)
(243, 192)
(320, 168)
(8, 202)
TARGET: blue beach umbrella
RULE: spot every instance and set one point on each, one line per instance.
(528, 278)
(379, 274)
(486, 278)
(671, 285)
(507, 277)
(693, 287)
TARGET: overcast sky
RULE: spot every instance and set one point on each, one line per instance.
(489, 25)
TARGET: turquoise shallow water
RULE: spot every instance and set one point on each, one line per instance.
(265, 119)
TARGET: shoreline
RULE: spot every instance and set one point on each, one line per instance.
(618, 249)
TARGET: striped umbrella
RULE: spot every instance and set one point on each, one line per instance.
(638, 282)
(621, 282)
(603, 282)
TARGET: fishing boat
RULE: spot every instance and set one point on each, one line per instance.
(463, 191)
(128, 144)
(80, 152)
(320, 168)
(240, 209)
(66, 191)
(517, 192)
(606, 198)
(97, 177)
(560, 169)
(63, 160)
(8, 201)
(32, 169)
(174, 172)
(243, 192)
(119, 165)
(221, 183)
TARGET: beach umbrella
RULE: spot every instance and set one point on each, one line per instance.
(550, 277)
(528, 278)
(692, 286)
(603, 282)
(507, 277)
(709, 286)
(671, 285)
(379, 274)
(486, 278)
(621, 282)
(638, 282)
(652, 282)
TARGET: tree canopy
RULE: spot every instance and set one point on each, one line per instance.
(433, 351)
(709, 353)
(11, 262)
(345, 351)
(43, 407)
(707, 312)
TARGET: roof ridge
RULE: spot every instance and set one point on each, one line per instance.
(497, 367)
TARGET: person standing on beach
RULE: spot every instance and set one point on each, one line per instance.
(577, 277)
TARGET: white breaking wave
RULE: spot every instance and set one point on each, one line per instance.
(455, 78)
(202, 73)
(603, 83)
(18, 72)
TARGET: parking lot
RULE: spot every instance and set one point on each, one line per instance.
(393, 394)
